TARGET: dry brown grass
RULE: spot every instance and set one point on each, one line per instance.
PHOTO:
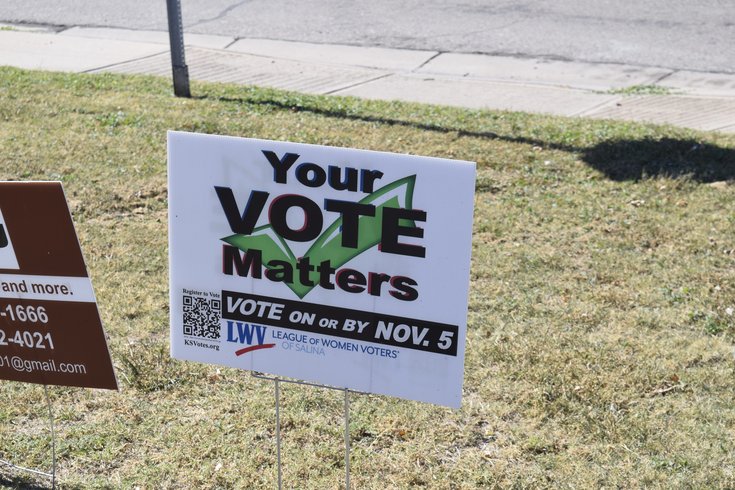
(600, 345)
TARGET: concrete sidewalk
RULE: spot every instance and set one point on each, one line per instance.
(696, 100)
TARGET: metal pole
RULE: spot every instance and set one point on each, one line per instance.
(53, 438)
(278, 431)
(176, 38)
(347, 439)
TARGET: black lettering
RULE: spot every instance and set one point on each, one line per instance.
(313, 220)
(368, 179)
(280, 165)
(351, 212)
(351, 281)
(392, 229)
(242, 224)
(305, 268)
(326, 270)
(251, 263)
(375, 282)
(403, 288)
(318, 175)
(279, 271)
(335, 178)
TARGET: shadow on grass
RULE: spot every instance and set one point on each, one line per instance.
(338, 114)
(619, 160)
(622, 160)
(17, 482)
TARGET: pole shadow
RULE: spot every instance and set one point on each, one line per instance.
(618, 159)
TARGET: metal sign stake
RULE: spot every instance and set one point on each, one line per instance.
(347, 439)
(278, 430)
(53, 437)
(51, 475)
(277, 383)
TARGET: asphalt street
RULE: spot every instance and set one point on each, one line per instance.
(672, 34)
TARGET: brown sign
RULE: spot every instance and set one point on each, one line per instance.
(50, 329)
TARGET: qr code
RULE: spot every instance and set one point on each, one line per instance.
(202, 317)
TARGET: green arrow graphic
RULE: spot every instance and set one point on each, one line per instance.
(328, 246)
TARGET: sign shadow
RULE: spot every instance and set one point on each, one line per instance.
(22, 482)
(626, 160)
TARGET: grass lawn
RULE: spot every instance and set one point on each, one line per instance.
(601, 324)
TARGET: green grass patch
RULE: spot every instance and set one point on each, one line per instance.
(641, 90)
(600, 343)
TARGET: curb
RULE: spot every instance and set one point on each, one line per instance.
(697, 100)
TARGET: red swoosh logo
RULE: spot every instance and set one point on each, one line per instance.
(252, 348)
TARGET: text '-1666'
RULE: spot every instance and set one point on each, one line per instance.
(24, 313)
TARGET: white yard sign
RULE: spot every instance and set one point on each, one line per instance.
(337, 266)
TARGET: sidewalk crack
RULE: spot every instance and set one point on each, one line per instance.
(665, 76)
(125, 62)
(219, 16)
(234, 40)
(427, 61)
(357, 84)
(591, 111)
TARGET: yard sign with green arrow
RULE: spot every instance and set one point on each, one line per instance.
(337, 266)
